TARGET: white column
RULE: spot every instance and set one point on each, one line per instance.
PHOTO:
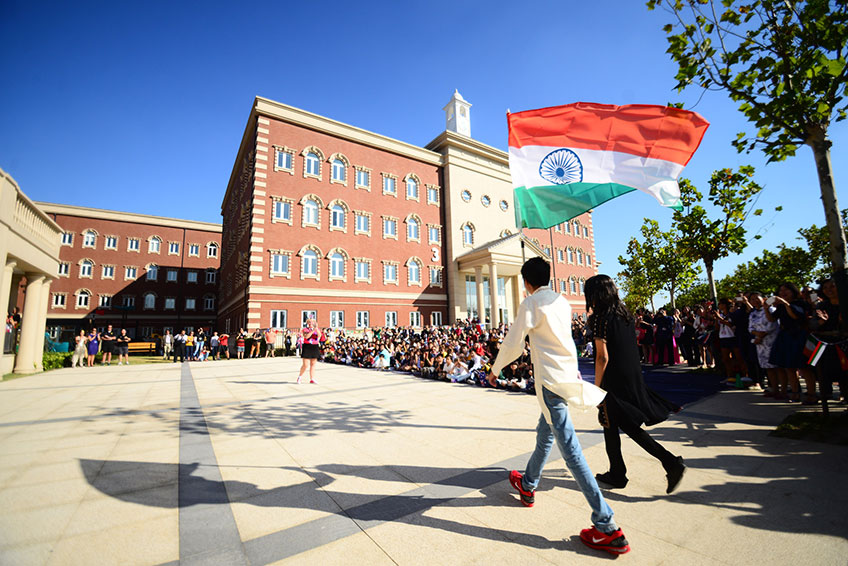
(28, 350)
(493, 294)
(478, 281)
(517, 286)
(6, 284)
(42, 321)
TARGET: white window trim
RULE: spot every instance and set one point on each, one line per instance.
(356, 277)
(420, 264)
(217, 246)
(387, 236)
(438, 189)
(345, 213)
(345, 261)
(64, 304)
(150, 244)
(76, 299)
(103, 271)
(438, 227)
(188, 246)
(169, 248)
(271, 272)
(283, 149)
(59, 269)
(321, 158)
(396, 282)
(318, 256)
(356, 184)
(390, 176)
(93, 265)
(319, 202)
(138, 245)
(441, 281)
(462, 234)
(417, 219)
(71, 243)
(106, 245)
(414, 177)
(357, 231)
(345, 162)
(86, 231)
(291, 203)
(127, 275)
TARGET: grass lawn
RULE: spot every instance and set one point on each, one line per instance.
(811, 425)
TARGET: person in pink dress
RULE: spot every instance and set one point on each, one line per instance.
(311, 349)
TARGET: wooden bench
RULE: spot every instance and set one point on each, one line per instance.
(148, 348)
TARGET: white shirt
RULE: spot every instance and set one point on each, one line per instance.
(546, 317)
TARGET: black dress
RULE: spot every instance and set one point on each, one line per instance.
(623, 380)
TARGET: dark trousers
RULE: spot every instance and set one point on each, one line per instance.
(179, 351)
(612, 440)
(665, 344)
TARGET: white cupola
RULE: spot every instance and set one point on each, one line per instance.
(458, 115)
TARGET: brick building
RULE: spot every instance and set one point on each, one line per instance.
(144, 273)
(325, 219)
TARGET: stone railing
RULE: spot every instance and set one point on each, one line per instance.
(22, 216)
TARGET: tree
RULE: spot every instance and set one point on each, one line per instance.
(784, 61)
(635, 293)
(818, 243)
(708, 240)
(664, 265)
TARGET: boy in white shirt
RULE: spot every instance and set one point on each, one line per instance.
(546, 317)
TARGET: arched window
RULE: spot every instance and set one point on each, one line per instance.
(579, 257)
(310, 263)
(89, 239)
(152, 272)
(573, 286)
(468, 235)
(149, 301)
(86, 268)
(338, 173)
(312, 164)
(413, 229)
(337, 216)
(310, 212)
(154, 245)
(505, 233)
(336, 265)
(83, 299)
(212, 249)
(582, 285)
(411, 188)
(570, 255)
(414, 272)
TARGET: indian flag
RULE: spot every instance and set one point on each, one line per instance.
(565, 160)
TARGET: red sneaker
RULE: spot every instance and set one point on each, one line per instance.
(614, 542)
(527, 497)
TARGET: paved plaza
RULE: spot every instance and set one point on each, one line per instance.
(232, 463)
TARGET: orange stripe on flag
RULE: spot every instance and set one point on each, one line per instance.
(658, 132)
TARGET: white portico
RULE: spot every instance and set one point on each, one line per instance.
(492, 275)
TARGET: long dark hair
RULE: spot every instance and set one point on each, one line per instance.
(602, 298)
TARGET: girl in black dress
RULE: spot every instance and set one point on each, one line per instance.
(629, 403)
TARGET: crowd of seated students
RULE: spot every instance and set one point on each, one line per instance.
(460, 353)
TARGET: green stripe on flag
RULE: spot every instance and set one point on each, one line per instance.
(546, 206)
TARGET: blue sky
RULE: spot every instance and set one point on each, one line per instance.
(141, 106)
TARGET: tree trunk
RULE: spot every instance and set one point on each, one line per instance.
(653, 310)
(708, 265)
(671, 294)
(838, 260)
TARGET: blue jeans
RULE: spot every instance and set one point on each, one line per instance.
(562, 429)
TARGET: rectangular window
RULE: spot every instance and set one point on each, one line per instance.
(208, 303)
(435, 276)
(59, 301)
(336, 319)
(191, 277)
(152, 273)
(83, 300)
(67, 238)
(64, 268)
(363, 223)
(211, 276)
(171, 276)
(190, 304)
(362, 271)
(389, 186)
(129, 301)
(588, 259)
(306, 315)
(279, 319)
(363, 178)
(362, 319)
(174, 248)
(282, 210)
(390, 228)
(585, 232)
(390, 273)
(436, 318)
(415, 319)
(111, 242)
(133, 244)
(391, 319)
(284, 160)
(432, 195)
(434, 234)
(194, 250)
(108, 272)
(105, 300)
(170, 303)
(130, 272)
(562, 286)
(280, 264)
(560, 256)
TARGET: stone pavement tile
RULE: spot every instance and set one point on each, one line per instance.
(44, 524)
(27, 554)
(148, 484)
(151, 541)
(356, 549)
(245, 482)
(15, 497)
(276, 509)
(99, 451)
(99, 511)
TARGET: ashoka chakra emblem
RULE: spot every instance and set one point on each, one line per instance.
(561, 167)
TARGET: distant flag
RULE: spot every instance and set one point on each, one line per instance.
(565, 160)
